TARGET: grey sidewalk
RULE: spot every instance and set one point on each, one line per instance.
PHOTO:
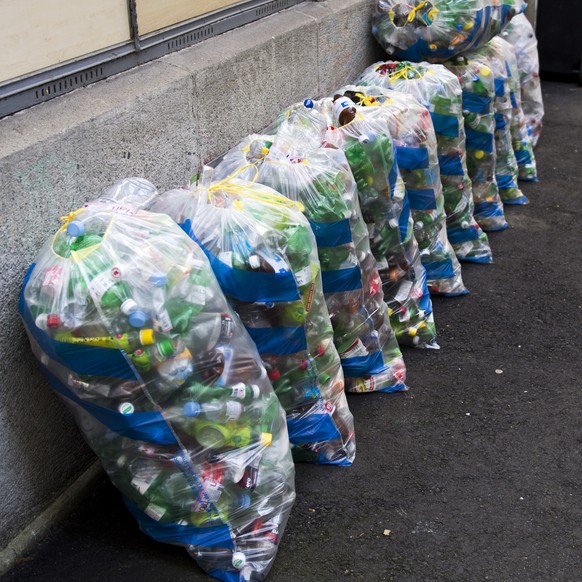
(476, 474)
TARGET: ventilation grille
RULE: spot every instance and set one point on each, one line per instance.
(190, 38)
(272, 7)
(69, 83)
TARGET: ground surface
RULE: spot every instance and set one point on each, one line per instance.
(477, 475)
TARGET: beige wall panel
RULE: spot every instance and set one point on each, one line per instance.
(157, 14)
(36, 34)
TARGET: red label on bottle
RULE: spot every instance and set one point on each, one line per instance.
(52, 276)
(310, 297)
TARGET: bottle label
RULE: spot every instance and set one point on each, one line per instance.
(162, 321)
(143, 482)
(403, 291)
(198, 294)
(211, 492)
(155, 511)
(275, 261)
(310, 298)
(113, 207)
(233, 410)
(52, 276)
(226, 326)
(238, 391)
(341, 104)
(101, 284)
(355, 350)
(364, 385)
(303, 276)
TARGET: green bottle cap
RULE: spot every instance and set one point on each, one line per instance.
(165, 348)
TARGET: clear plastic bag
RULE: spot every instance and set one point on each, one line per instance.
(437, 30)
(370, 153)
(520, 137)
(478, 86)
(440, 92)
(521, 35)
(321, 180)
(264, 255)
(506, 170)
(415, 145)
(130, 326)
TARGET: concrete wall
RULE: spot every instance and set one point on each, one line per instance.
(159, 121)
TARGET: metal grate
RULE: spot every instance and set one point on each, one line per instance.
(69, 83)
(189, 38)
(274, 6)
(40, 87)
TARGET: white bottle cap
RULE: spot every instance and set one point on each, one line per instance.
(254, 262)
(239, 560)
(128, 306)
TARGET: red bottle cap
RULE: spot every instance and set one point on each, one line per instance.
(274, 374)
(53, 320)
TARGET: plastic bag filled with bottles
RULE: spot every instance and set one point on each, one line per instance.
(478, 86)
(506, 169)
(437, 30)
(415, 145)
(130, 326)
(520, 136)
(264, 255)
(440, 92)
(368, 147)
(321, 180)
(521, 35)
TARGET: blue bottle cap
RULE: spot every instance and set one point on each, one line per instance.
(244, 501)
(137, 318)
(159, 279)
(75, 228)
(192, 409)
(308, 103)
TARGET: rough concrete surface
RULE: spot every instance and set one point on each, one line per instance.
(159, 121)
(476, 474)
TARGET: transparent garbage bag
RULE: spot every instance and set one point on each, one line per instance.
(130, 326)
(520, 136)
(263, 253)
(440, 92)
(521, 35)
(321, 180)
(506, 169)
(415, 145)
(368, 147)
(437, 30)
(478, 86)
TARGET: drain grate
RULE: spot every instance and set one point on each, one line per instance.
(66, 84)
(189, 38)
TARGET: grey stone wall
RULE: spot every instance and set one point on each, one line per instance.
(159, 121)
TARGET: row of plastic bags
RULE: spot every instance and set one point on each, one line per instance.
(438, 31)
(204, 339)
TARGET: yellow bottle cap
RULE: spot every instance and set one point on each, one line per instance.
(266, 439)
(468, 25)
(146, 337)
(412, 331)
(485, 71)
(479, 154)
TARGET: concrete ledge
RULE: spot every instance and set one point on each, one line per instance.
(63, 506)
(159, 121)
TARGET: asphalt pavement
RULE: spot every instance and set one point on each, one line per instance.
(472, 474)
